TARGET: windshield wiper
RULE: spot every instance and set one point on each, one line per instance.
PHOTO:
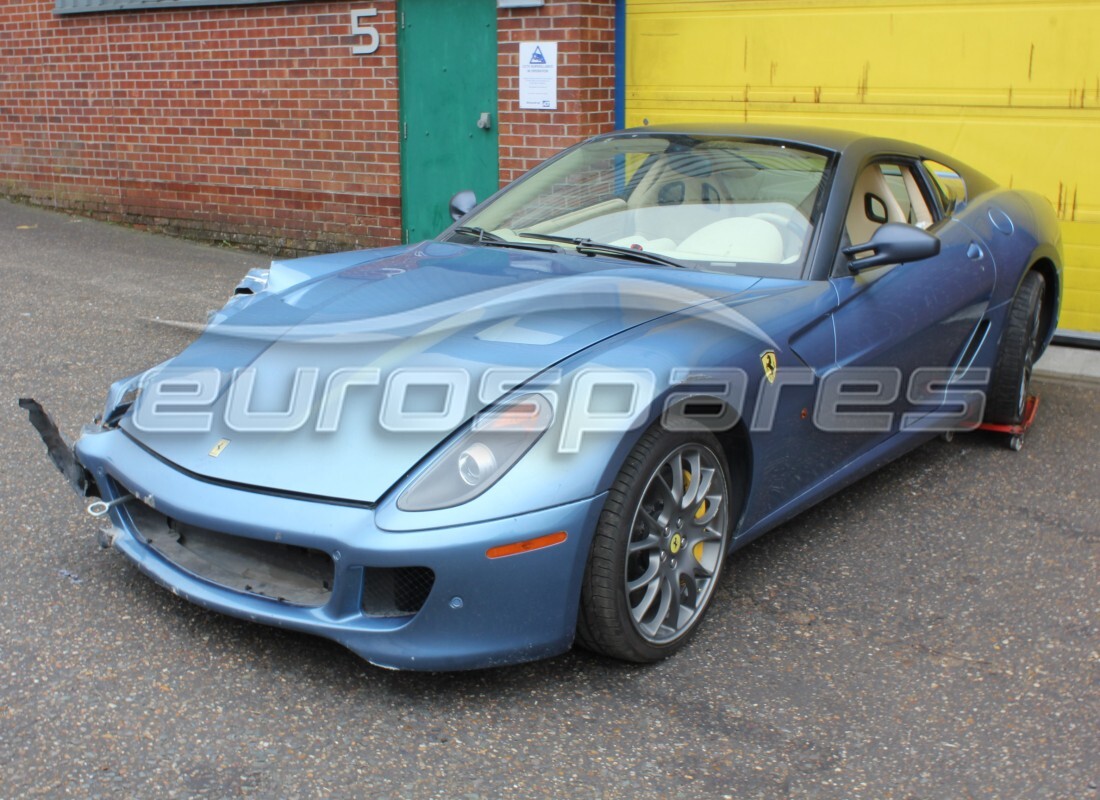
(588, 247)
(490, 239)
(481, 234)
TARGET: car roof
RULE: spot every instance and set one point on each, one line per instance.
(856, 148)
(822, 138)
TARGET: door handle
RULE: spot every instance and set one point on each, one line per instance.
(975, 251)
(485, 121)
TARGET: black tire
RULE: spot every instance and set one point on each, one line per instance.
(1011, 382)
(645, 528)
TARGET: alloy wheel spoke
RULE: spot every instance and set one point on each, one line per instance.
(701, 565)
(714, 506)
(707, 572)
(651, 542)
(662, 605)
(640, 610)
(702, 486)
(646, 577)
(678, 486)
(669, 491)
(692, 468)
(710, 535)
(653, 523)
(689, 592)
(657, 592)
(671, 617)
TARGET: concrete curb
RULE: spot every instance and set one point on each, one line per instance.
(1075, 364)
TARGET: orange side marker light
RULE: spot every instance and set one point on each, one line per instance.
(526, 546)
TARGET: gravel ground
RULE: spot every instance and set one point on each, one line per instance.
(931, 632)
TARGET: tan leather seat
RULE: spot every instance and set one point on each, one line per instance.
(870, 182)
(666, 185)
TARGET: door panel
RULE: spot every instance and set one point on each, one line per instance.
(915, 315)
(447, 66)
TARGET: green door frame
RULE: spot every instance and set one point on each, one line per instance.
(447, 85)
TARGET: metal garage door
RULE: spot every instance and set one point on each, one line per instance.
(1009, 86)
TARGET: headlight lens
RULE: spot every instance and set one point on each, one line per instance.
(121, 396)
(481, 456)
(476, 463)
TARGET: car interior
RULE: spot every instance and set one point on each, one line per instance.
(739, 205)
(710, 205)
(883, 192)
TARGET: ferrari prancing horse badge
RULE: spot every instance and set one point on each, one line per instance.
(767, 358)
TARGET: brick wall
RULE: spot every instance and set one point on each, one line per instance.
(586, 77)
(254, 124)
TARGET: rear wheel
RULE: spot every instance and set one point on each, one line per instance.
(1008, 391)
(658, 548)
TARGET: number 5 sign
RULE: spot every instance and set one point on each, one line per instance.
(371, 32)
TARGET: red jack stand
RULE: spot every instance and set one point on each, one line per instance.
(1016, 432)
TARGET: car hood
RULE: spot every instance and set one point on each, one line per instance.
(338, 385)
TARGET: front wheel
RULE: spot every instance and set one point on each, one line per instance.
(659, 548)
(1011, 383)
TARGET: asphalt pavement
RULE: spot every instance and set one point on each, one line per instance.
(931, 632)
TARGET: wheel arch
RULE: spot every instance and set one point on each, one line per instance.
(1045, 265)
(737, 450)
(736, 444)
(607, 619)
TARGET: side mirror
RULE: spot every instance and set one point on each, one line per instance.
(893, 243)
(462, 204)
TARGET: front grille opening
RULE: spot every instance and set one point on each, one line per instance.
(287, 573)
(396, 592)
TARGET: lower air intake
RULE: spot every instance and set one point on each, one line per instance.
(396, 592)
(289, 574)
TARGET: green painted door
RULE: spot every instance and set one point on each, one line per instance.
(447, 67)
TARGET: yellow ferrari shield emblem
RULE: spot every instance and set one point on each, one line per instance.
(216, 450)
(767, 359)
(676, 543)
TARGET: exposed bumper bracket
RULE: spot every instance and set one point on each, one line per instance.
(59, 450)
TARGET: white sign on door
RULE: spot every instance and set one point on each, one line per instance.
(538, 75)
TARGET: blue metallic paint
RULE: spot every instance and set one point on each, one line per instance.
(576, 303)
(440, 637)
(524, 607)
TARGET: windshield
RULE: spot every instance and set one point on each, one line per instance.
(707, 202)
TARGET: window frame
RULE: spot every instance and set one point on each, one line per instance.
(947, 205)
(925, 185)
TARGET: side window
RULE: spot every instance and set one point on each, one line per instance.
(886, 192)
(905, 188)
(948, 184)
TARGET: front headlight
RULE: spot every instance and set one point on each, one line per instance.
(481, 456)
(120, 397)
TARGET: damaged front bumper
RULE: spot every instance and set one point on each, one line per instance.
(424, 600)
(59, 450)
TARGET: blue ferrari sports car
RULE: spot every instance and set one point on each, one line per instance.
(555, 421)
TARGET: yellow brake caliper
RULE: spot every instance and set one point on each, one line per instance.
(697, 550)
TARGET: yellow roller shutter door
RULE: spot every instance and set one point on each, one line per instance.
(1009, 86)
